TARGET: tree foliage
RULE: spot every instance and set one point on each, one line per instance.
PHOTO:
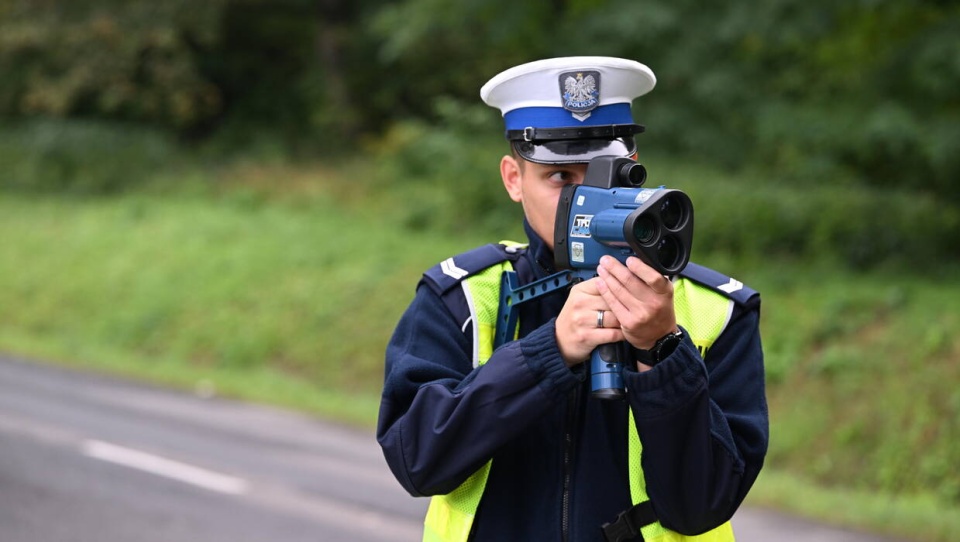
(812, 89)
(135, 61)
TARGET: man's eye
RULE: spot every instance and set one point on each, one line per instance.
(562, 177)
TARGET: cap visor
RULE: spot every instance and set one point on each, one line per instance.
(576, 151)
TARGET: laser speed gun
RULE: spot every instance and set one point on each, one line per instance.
(609, 214)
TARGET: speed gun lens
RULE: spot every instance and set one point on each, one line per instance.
(672, 213)
(669, 252)
(644, 230)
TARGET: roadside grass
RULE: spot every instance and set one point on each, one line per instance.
(282, 284)
(862, 373)
(920, 517)
(223, 290)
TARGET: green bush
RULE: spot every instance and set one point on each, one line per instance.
(447, 176)
(761, 214)
(81, 156)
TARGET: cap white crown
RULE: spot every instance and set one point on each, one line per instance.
(536, 84)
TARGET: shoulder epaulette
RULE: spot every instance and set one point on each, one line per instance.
(720, 283)
(450, 272)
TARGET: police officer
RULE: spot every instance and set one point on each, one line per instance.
(510, 444)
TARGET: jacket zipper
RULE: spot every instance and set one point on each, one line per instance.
(572, 407)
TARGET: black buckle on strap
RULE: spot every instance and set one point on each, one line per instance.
(628, 523)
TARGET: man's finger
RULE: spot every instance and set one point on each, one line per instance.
(660, 284)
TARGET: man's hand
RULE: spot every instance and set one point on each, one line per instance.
(641, 300)
(577, 331)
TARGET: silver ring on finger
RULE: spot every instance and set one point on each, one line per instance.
(600, 318)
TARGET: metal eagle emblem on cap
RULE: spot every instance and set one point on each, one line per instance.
(580, 91)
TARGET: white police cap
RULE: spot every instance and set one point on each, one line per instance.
(570, 109)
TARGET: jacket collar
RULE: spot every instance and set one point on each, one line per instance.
(540, 253)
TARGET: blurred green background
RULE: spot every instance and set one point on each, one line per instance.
(238, 197)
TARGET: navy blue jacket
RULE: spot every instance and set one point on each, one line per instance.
(559, 455)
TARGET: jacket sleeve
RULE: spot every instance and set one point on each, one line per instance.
(704, 427)
(440, 419)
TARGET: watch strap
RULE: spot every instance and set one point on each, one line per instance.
(661, 349)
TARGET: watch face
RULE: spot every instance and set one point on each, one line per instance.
(666, 345)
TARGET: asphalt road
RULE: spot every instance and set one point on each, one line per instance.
(85, 458)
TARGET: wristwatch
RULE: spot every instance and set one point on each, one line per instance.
(661, 349)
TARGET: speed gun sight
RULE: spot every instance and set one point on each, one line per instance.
(612, 214)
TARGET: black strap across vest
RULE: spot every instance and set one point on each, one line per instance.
(628, 523)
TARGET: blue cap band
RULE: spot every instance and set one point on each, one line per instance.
(558, 117)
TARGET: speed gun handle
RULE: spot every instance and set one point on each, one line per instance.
(606, 368)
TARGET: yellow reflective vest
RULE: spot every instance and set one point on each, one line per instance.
(702, 312)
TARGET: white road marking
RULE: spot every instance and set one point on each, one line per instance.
(167, 468)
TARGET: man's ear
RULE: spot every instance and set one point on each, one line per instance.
(511, 175)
